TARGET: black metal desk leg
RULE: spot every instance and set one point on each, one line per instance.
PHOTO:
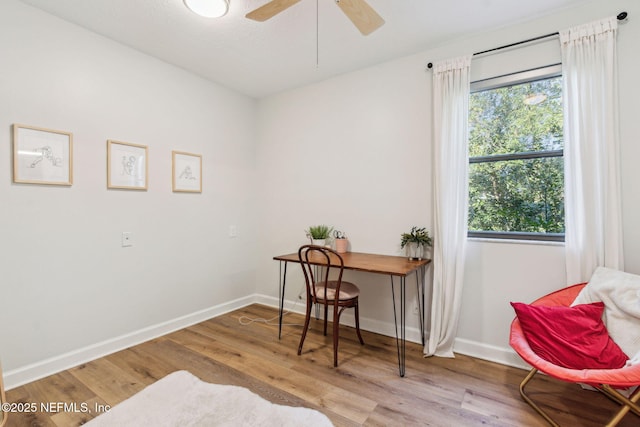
(281, 286)
(400, 340)
(420, 278)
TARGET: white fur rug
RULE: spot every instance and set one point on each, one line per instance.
(182, 399)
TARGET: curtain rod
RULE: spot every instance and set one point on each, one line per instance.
(621, 17)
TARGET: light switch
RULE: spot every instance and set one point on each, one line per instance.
(233, 231)
(127, 239)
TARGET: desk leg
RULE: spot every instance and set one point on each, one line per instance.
(400, 340)
(281, 286)
(420, 288)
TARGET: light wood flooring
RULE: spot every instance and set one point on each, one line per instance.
(364, 390)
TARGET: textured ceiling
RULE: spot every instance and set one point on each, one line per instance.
(309, 42)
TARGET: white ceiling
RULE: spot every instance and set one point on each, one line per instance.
(289, 50)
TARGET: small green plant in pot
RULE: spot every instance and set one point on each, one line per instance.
(319, 234)
(415, 241)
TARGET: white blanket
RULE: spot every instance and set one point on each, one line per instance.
(620, 293)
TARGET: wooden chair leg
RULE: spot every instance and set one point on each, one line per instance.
(336, 334)
(306, 325)
(357, 313)
(326, 314)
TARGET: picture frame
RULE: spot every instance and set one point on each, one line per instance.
(186, 172)
(127, 165)
(42, 156)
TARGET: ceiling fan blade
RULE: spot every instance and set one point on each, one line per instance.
(361, 14)
(270, 9)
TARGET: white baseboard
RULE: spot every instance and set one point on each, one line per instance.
(367, 324)
(35, 371)
(504, 356)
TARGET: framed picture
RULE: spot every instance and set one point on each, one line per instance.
(187, 172)
(126, 165)
(42, 156)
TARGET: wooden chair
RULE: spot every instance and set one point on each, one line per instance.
(608, 381)
(323, 268)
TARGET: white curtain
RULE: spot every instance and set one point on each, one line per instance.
(451, 86)
(593, 235)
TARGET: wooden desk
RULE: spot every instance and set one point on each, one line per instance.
(394, 266)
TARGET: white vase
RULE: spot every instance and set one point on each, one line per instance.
(415, 251)
(319, 242)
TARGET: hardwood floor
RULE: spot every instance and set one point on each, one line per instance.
(364, 390)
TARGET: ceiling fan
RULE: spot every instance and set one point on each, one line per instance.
(358, 11)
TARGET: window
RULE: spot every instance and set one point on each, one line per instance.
(516, 170)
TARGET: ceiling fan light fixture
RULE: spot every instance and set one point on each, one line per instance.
(208, 8)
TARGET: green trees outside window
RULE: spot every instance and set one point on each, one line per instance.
(516, 174)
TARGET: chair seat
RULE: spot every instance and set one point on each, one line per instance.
(348, 290)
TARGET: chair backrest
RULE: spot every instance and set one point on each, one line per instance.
(320, 264)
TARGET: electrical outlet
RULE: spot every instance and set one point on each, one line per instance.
(416, 309)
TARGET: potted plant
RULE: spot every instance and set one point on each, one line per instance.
(341, 241)
(319, 234)
(415, 241)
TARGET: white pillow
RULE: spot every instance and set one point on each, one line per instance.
(620, 293)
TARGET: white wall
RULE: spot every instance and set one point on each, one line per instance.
(354, 152)
(68, 288)
(349, 152)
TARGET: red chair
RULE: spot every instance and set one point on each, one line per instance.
(609, 381)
